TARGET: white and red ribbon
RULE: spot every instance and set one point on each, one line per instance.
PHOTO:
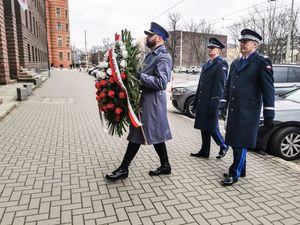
(117, 76)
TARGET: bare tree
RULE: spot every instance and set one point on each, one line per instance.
(272, 23)
(171, 44)
(199, 42)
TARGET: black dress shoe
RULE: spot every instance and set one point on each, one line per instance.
(226, 175)
(199, 155)
(222, 153)
(166, 169)
(228, 181)
(118, 174)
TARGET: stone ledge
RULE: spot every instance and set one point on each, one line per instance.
(6, 109)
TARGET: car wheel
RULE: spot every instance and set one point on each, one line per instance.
(188, 107)
(285, 143)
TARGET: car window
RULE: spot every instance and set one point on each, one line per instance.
(297, 73)
(292, 76)
(280, 74)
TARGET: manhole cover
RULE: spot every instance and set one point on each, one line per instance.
(46, 100)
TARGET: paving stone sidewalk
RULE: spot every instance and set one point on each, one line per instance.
(54, 156)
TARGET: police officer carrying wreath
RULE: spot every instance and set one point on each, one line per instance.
(207, 99)
(154, 78)
(249, 84)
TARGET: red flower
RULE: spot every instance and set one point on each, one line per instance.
(111, 80)
(122, 95)
(118, 111)
(123, 76)
(100, 95)
(98, 98)
(117, 37)
(102, 83)
(103, 108)
(110, 106)
(98, 85)
(111, 93)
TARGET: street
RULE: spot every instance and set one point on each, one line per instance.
(54, 155)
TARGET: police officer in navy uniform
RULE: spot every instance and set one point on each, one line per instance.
(249, 85)
(206, 103)
(154, 78)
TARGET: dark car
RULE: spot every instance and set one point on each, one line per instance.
(286, 79)
(283, 139)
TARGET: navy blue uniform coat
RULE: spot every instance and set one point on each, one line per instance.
(209, 93)
(154, 78)
(247, 86)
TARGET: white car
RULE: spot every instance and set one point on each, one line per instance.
(194, 70)
(180, 69)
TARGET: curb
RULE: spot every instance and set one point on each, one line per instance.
(7, 110)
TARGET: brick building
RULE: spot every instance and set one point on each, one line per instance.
(194, 52)
(58, 33)
(23, 39)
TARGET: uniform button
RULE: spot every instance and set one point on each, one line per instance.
(231, 109)
(233, 87)
(232, 98)
(200, 92)
(237, 76)
(198, 100)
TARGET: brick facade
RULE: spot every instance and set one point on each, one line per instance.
(11, 37)
(32, 35)
(58, 33)
(23, 38)
(4, 68)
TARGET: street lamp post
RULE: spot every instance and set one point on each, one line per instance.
(288, 45)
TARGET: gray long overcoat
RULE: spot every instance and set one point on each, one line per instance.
(154, 78)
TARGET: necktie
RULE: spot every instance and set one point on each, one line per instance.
(243, 61)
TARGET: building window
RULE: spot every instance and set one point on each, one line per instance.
(36, 55)
(30, 21)
(66, 14)
(67, 41)
(58, 25)
(26, 18)
(58, 14)
(68, 56)
(32, 54)
(33, 19)
(61, 56)
(29, 55)
(37, 28)
(67, 27)
(59, 41)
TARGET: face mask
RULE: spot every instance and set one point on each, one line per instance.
(150, 44)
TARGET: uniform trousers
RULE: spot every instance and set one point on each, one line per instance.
(206, 139)
(238, 167)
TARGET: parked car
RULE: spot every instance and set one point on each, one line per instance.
(283, 139)
(180, 69)
(193, 70)
(286, 79)
(90, 71)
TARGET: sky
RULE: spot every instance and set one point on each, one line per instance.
(103, 18)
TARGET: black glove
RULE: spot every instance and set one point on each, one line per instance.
(223, 113)
(268, 122)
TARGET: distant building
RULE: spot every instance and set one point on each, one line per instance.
(23, 39)
(194, 52)
(58, 27)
